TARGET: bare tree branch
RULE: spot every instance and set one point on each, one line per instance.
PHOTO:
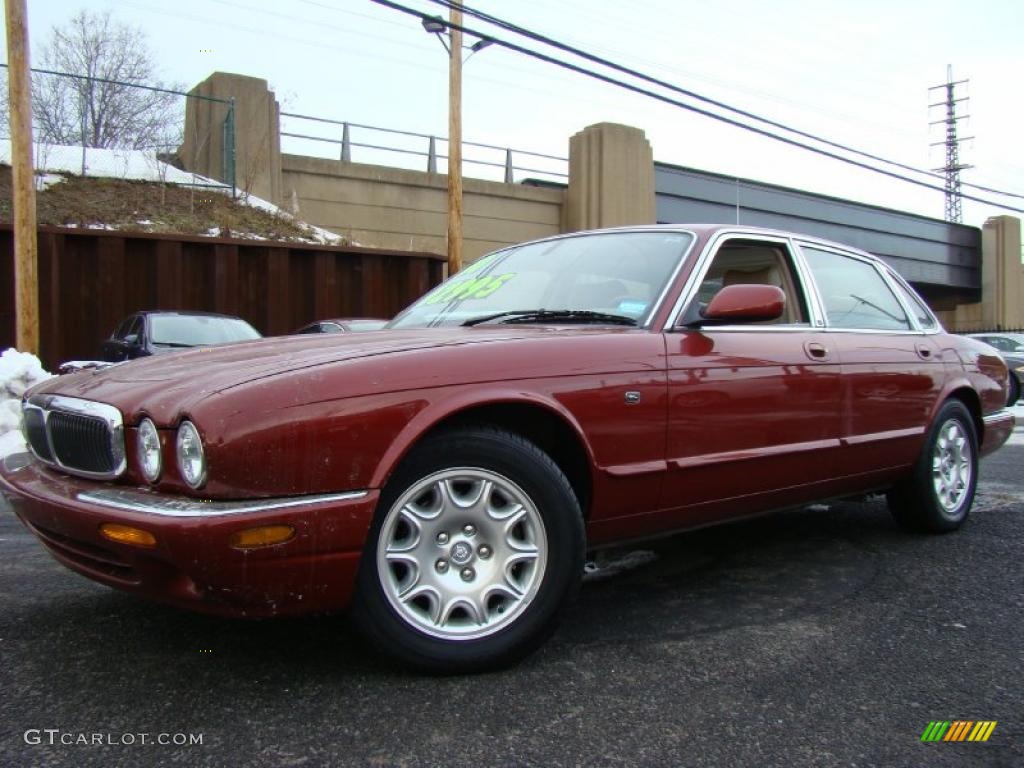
(95, 113)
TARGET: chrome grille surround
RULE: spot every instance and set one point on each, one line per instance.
(80, 437)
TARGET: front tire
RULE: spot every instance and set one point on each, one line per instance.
(476, 548)
(937, 496)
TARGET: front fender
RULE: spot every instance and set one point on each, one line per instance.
(451, 404)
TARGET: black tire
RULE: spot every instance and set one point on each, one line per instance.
(556, 512)
(915, 502)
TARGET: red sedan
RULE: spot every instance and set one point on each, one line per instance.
(445, 477)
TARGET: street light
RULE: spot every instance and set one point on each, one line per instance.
(436, 25)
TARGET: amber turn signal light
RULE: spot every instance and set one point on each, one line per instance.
(125, 534)
(264, 536)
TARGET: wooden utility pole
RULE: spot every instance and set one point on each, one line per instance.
(455, 144)
(26, 289)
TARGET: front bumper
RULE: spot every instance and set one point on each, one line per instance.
(193, 565)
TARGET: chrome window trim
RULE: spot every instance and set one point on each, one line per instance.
(76, 406)
(703, 263)
(167, 505)
(880, 269)
(805, 328)
(897, 278)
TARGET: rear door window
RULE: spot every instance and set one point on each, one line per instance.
(854, 293)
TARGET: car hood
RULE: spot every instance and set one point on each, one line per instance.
(174, 381)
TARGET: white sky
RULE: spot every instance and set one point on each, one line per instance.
(857, 73)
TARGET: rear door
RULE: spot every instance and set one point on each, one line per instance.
(754, 408)
(892, 369)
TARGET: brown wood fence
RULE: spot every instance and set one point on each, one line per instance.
(90, 279)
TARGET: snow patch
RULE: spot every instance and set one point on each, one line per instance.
(18, 372)
(138, 164)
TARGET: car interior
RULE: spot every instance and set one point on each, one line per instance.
(752, 263)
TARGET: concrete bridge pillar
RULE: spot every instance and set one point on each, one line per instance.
(1002, 274)
(256, 126)
(611, 178)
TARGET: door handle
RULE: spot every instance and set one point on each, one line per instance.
(924, 352)
(816, 351)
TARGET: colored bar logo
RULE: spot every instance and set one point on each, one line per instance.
(958, 730)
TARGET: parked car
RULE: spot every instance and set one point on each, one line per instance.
(445, 479)
(153, 333)
(344, 325)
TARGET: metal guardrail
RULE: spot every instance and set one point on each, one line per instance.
(345, 145)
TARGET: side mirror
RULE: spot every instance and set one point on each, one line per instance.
(745, 304)
(131, 340)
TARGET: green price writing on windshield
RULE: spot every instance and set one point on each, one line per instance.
(473, 288)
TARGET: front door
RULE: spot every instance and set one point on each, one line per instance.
(754, 410)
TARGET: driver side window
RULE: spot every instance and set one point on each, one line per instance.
(749, 262)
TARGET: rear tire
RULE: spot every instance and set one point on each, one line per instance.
(937, 495)
(476, 548)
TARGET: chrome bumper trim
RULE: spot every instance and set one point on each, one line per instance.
(998, 417)
(180, 506)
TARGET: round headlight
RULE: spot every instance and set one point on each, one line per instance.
(148, 448)
(191, 461)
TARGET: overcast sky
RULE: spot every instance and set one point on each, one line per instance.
(857, 73)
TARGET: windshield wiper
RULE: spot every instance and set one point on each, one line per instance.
(557, 315)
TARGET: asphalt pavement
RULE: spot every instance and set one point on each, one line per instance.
(817, 637)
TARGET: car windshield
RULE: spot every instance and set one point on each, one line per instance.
(613, 277)
(199, 330)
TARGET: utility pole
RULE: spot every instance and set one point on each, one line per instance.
(26, 282)
(455, 143)
(953, 166)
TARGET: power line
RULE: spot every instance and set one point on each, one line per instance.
(683, 105)
(538, 37)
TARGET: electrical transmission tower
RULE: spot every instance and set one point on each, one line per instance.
(952, 168)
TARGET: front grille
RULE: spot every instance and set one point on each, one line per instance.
(35, 433)
(82, 442)
(81, 437)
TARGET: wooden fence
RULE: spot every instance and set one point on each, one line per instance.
(90, 279)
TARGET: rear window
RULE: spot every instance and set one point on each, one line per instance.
(199, 331)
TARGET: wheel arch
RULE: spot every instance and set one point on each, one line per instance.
(546, 424)
(972, 402)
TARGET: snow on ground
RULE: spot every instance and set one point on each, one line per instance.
(142, 165)
(137, 164)
(18, 372)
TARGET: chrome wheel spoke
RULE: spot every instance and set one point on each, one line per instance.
(465, 605)
(413, 601)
